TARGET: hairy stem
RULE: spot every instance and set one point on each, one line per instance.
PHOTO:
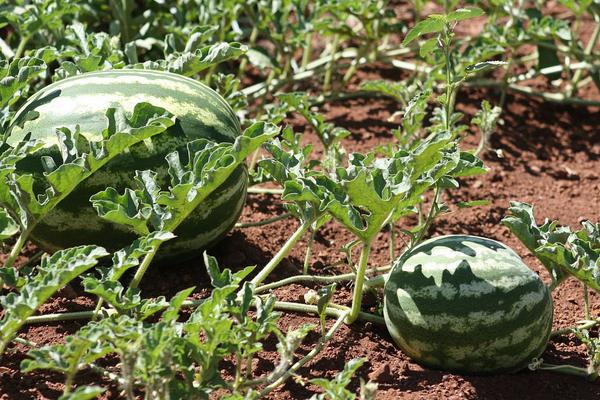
(377, 281)
(586, 325)
(331, 64)
(358, 285)
(300, 363)
(306, 50)
(526, 90)
(308, 254)
(568, 370)
(429, 219)
(586, 302)
(318, 279)
(333, 310)
(16, 250)
(78, 315)
(139, 274)
(21, 48)
(282, 253)
(588, 50)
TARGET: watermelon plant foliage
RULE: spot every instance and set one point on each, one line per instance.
(164, 351)
(563, 251)
(80, 158)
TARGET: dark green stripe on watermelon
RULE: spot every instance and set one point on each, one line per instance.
(83, 100)
(430, 324)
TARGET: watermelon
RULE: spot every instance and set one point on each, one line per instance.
(83, 100)
(467, 304)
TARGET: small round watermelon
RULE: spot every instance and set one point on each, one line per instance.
(83, 100)
(467, 304)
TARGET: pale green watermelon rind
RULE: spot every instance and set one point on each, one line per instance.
(209, 222)
(82, 100)
(508, 323)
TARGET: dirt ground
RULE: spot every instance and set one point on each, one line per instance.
(550, 156)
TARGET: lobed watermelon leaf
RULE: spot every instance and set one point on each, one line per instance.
(562, 251)
(53, 273)
(209, 164)
(79, 159)
(8, 226)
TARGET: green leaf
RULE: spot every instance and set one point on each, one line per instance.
(468, 165)
(80, 159)
(220, 279)
(464, 13)
(260, 59)
(16, 76)
(8, 226)
(325, 296)
(53, 273)
(326, 131)
(122, 209)
(337, 387)
(209, 164)
(432, 24)
(473, 203)
(130, 256)
(428, 46)
(521, 222)
(189, 64)
(398, 91)
(83, 393)
(483, 66)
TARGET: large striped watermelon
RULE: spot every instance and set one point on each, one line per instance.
(467, 304)
(83, 100)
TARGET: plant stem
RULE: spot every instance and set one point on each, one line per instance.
(449, 85)
(567, 369)
(16, 250)
(282, 253)
(34, 258)
(588, 50)
(139, 274)
(58, 317)
(358, 285)
(251, 42)
(586, 325)
(242, 225)
(77, 315)
(377, 281)
(333, 310)
(551, 97)
(392, 239)
(306, 50)
(586, 302)
(70, 375)
(352, 69)
(25, 342)
(21, 48)
(330, 65)
(308, 254)
(300, 363)
(429, 219)
(258, 89)
(317, 279)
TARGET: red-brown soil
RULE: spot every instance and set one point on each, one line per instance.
(550, 157)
